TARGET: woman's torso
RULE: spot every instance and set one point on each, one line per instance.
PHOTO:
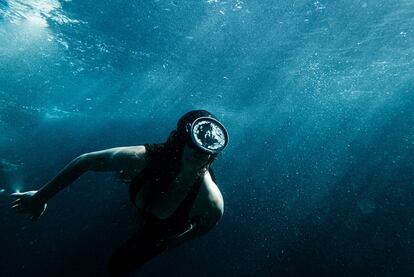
(163, 205)
(167, 203)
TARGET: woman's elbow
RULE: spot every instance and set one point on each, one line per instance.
(95, 161)
(82, 162)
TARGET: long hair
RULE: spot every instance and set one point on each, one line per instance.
(167, 157)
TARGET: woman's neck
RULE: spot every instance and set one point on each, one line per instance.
(191, 169)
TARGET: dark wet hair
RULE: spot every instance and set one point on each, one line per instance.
(178, 138)
(167, 157)
(164, 159)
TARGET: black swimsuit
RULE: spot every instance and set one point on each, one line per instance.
(180, 220)
(157, 234)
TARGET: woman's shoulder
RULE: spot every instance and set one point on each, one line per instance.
(211, 206)
(214, 194)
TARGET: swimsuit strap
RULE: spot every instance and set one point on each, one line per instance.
(137, 183)
(182, 213)
(178, 223)
(180, 217)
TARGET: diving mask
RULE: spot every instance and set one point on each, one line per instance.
(207, 134)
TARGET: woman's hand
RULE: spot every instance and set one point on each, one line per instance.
(27, 202)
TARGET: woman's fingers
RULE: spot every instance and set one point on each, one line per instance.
(18, 200)
(17, 207)
(25, 203)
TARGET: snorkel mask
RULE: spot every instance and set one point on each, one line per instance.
(207, 134)
(202, 131)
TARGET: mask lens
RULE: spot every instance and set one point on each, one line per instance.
(209, 135)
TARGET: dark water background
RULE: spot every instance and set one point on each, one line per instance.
(318, 178)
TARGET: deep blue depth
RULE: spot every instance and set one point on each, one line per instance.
(317, 96)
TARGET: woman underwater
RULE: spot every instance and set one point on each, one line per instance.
(172, 186)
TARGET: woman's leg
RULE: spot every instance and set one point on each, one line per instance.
(143, 246)
(134, 253)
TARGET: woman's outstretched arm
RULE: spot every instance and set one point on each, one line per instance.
(114, 159)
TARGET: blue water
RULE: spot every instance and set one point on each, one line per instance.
(318, 178)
